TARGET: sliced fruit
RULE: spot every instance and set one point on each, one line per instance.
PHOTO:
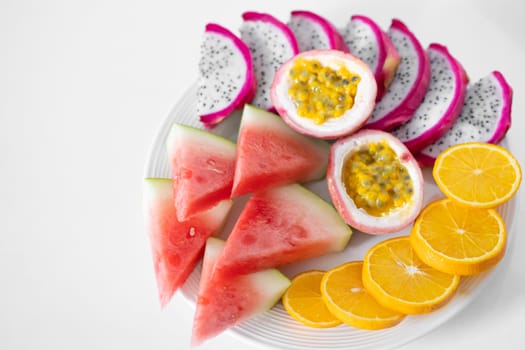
(226, 79)
(458, 240)
(324, 93)
(441, 105)
(368, 42)
(223, 303)
(374, 182)
(271, 43)
(399, 280)
(176, 246)
(409, 84)
(271, 154)
(346, 298)
(202, 167)
(314, 32)
(281, 225)
(304, 303)
(477, 174)
(485, 117)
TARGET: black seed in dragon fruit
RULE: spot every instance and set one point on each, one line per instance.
(314, 32)
(485, 117)
(271, 43)
(366, 40)
(409, 84)
(226, 79)
(441, 105)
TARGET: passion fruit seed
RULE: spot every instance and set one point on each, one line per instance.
(320, 92)
(376, 180)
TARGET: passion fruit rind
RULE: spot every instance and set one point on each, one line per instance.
(397, 214)
(349, 71)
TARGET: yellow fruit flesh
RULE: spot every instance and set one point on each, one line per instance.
(477, 174)
(400, 280)
(346, 297)
(376, 180)
(304, 303)
(458, 239)
(320, 92)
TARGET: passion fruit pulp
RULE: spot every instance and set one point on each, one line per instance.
(324, 93)
(375, 183)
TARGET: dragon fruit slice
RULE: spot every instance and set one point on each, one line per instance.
(368, 42)
(271, 43)
(485, 117)
(314, 32)
(441, 105)
(410, 82)
(226, 79)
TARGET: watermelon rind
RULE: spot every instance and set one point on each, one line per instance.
(202, 165)
(176, 246)
(185, 133)
(271, 283)
(282, 225)
(211, 318)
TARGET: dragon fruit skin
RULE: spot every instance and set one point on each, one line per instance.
(441, 105)
(216, 100)
(485, 117)
(408, 86)
(368, 42)
(271, 43)
(392, 61)
(314, 32)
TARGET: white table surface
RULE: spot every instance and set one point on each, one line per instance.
(84, 87)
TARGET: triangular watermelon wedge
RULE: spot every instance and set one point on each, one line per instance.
(270, 153)
(223, 303)
(176, 246)
(279, 226)
(202, 165)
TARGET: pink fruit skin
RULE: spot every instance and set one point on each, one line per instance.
(263, 17)
(406, 108)
(502, 126)
(337, 197)
(247, 91)
(451, 114)
(388, 58)
(336, 41)
(389, 66)
(505, 120)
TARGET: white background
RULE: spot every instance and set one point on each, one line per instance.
(84, 87)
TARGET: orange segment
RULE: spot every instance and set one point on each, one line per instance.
(303, 301)
(399, 280)
(457, 239)
(477, 174)
(346, 298)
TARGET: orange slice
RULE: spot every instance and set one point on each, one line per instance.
(303, 301)
(399, 280)
(477, 174)
(346, 298)
(457, 239)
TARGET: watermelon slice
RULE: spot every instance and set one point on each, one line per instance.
(223, 303)
(270, 153)
(202, 165)
(176, 246)
(279, 226)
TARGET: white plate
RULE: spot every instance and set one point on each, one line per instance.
(276, 328)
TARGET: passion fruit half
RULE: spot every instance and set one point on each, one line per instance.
(324, 93)
(375, 183)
